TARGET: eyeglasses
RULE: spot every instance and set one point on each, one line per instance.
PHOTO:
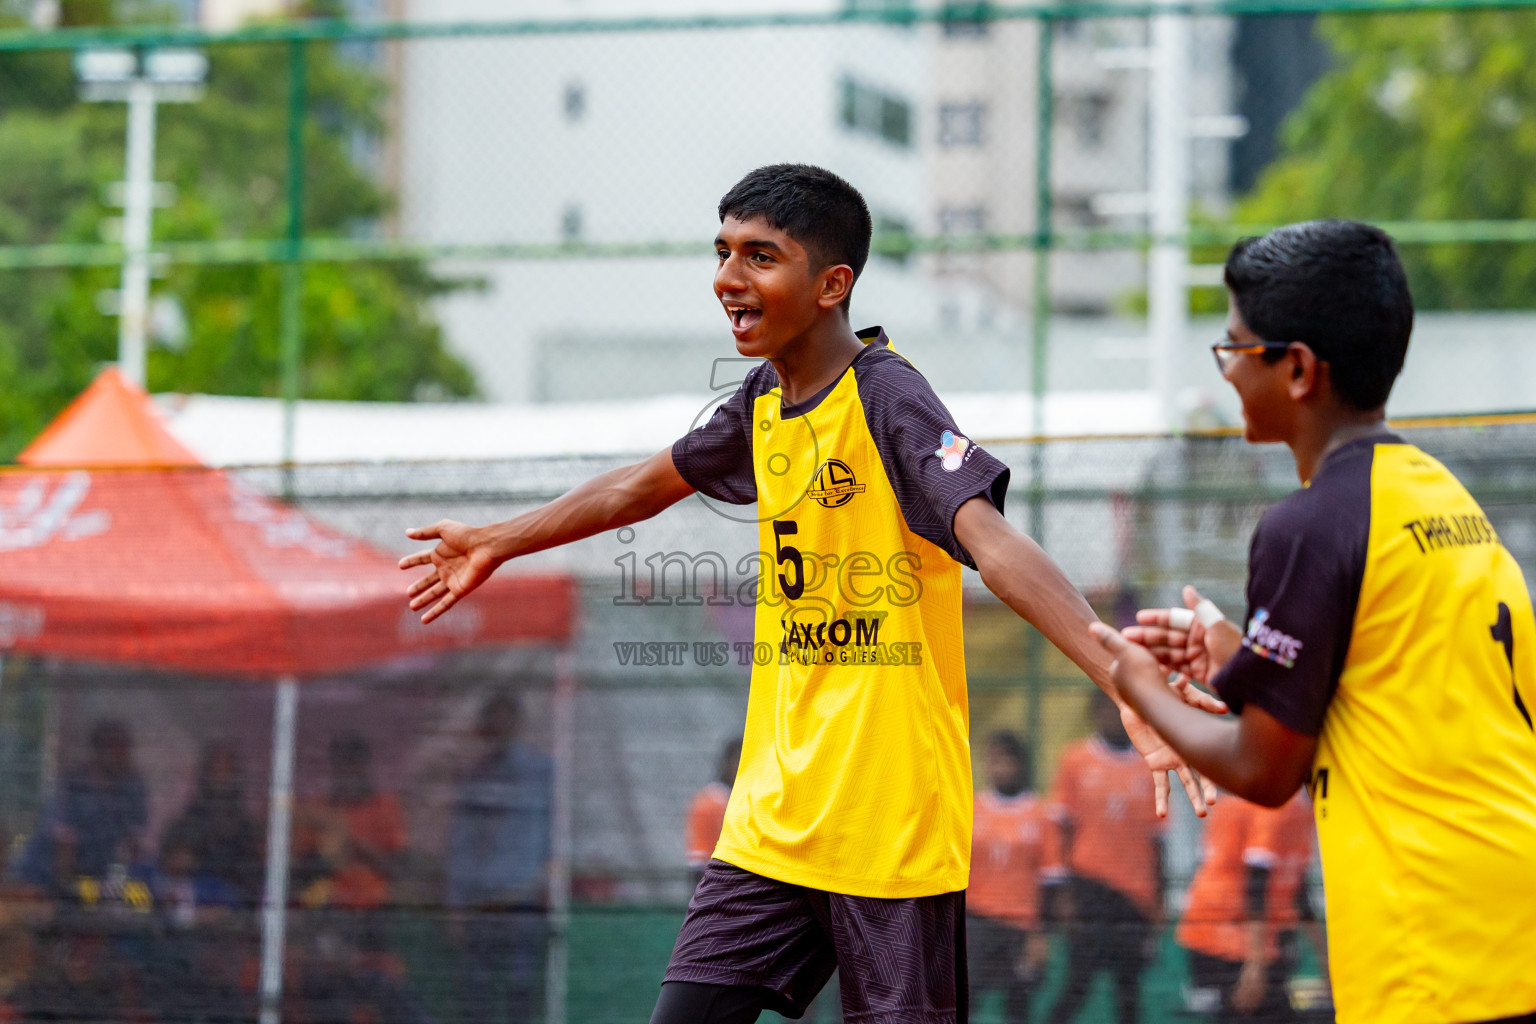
(1224, 350)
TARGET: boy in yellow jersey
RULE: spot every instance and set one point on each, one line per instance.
(1389, 654)
(847, 837)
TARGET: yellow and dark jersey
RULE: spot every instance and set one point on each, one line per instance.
(1386, 618)
(855, 770)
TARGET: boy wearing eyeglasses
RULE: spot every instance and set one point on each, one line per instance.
(1389, 655)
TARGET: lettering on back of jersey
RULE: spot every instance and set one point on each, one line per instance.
(1436, 533)
(1269, 643)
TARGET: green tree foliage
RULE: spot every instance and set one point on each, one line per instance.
(369, 333)
(1426, 116)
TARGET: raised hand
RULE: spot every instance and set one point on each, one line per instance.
(462, 560)
(1196, 651)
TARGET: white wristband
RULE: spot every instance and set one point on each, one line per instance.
(1206, 611)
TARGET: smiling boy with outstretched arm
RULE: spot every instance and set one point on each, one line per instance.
(846, 840)
(1389, 654)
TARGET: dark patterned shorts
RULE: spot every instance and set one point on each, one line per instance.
(900, 960)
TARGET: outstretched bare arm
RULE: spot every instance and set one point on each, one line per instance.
(1030, 582)
(465, 556)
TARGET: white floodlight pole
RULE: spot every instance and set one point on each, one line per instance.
(142, 81)
(1168, 271)
(138, 204)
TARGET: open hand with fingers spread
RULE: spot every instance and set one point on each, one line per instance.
(463, 559)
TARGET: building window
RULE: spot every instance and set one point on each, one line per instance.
(570, 223)
(868, 110)
(1078, 212)
(1088, 115)
(575, 101)
(893, 238)
(960, 124)
(962, 220)
(966, 17)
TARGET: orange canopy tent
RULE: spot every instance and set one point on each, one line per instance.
(122, 547)
(118, 545)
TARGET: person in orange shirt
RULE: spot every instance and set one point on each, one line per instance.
(347, 847)
(1247, 898)
(1007, 950)
(706, 814)
(1111, 854)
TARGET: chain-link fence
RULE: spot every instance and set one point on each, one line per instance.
(138, 802)
(521, 211)
(427, 212)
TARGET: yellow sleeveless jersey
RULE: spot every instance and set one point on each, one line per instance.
(1386, 618)
(855, 769)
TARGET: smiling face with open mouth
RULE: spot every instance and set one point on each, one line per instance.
(766, 284)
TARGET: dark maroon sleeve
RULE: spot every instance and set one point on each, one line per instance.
(716, 458)
(932, 467)
(1305, 566)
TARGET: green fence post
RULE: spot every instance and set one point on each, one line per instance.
(1038, 348)
(292, 325)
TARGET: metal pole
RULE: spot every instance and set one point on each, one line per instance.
(293, 269)
(1045, 114)
(1167, 276)
(274, 909)
(557, 967)
(138, 204)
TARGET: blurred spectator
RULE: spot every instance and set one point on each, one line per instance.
(93, 827)
(498, 861)
(192, 974)
(223, 840)
(185, 894)
(1111, 858)
(338, 977)
(706, 814)
(76, 977)
(1006, 949)
(15, 970)
(1246, 901)
(347, 847)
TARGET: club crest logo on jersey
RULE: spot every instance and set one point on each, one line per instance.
(951, 451)
(834, 484)
(1269, 643)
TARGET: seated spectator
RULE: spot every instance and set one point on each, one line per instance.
(222, 839)
(93, 827)
(185, 894)
(76, 977)
(190, 974)
(336, 976)
(348, 845)
(15, 968)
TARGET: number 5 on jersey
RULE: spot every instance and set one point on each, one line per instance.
(784, 553)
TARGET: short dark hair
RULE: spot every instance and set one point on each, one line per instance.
(813, 206)
(350, 748)
(1010, 744)
(1336, 285)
